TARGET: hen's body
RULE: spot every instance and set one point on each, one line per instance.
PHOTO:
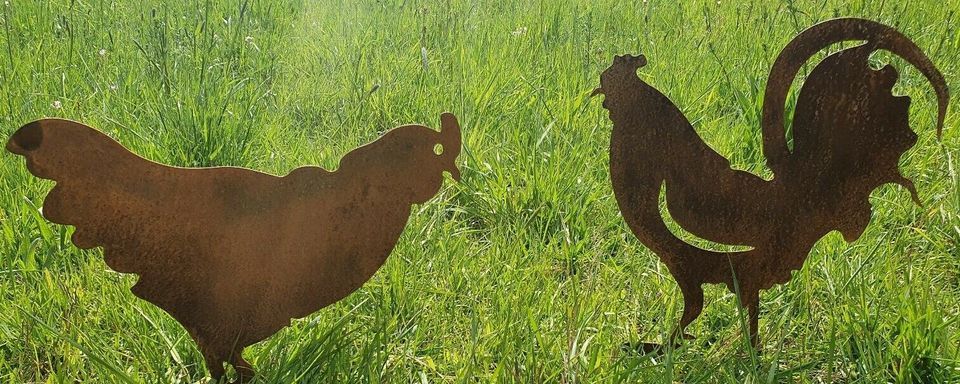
(232, 254)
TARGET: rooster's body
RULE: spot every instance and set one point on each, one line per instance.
(234, 254)
(849, 133)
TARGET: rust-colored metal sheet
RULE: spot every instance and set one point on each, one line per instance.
(233, 254)
(849, 132)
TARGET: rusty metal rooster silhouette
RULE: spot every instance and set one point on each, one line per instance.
(231, 253)
(849, 132)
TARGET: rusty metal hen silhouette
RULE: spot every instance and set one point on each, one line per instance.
(849, 132)
(231, 253)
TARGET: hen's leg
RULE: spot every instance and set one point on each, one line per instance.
(214, 365)
(692, 307)
(244, 370)
(213, 355)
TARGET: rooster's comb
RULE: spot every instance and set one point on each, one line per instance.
(630, 61)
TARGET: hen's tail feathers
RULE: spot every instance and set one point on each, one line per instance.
(816, 38)
(26, 139)
(56, 148)
(87, 166)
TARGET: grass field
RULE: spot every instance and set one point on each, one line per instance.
(524, 271)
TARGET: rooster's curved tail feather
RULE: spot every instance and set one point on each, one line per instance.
(815, 39)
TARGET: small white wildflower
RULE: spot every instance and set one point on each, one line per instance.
(6, 3)
(519, 31)
(113, 87)
(56, 104)
(249, 40)
(423, 59)
(102, 52)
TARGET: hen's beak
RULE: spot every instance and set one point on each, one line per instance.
(454, 172)
(596, 91)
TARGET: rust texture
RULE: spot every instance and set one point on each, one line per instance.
(233, 254)
(849, 132)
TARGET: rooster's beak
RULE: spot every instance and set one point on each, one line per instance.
(596, 91)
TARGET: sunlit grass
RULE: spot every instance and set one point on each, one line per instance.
(524, 271)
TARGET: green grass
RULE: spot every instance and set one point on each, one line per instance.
(524, 271)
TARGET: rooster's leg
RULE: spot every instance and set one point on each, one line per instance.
(692, 307)
(752, 301)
